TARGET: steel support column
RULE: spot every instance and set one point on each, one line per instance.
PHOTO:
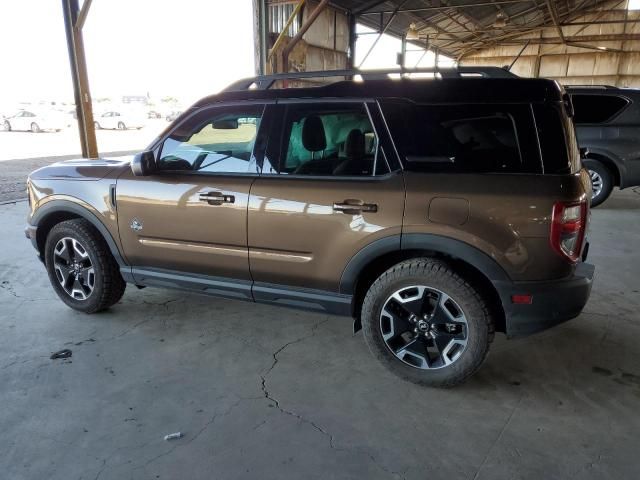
(73, 21)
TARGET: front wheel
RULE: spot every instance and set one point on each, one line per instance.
(121, 126)
(6, 126)
(601, 182)
(81, 268)
(35, 128)
(426, 324)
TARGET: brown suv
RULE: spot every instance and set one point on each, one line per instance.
(433, 212)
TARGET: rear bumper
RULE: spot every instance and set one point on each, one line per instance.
(552, 302)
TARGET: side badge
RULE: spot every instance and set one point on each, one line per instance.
(136, 225)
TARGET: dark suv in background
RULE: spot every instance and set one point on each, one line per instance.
(433, 212)
(607, 121)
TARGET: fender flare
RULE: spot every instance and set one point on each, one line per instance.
(55, 206)
(420, 241)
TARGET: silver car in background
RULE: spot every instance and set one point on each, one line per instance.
(119, 119)
(34, 121)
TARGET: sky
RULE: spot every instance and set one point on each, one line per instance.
(186, 49)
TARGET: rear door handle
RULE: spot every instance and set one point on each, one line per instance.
(354, 207)
(216, 198)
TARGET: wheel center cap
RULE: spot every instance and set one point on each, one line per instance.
(423, 326)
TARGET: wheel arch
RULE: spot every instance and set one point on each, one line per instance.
(56, 211)
(380, 255)
(608, 162)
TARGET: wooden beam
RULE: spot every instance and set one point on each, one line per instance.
(80, 79)
(82, 16)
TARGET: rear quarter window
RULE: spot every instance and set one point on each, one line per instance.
(463, 138)
(593, 108)
(557, 139)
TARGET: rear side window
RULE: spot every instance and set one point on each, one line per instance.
(324, 139)
(463, 138)
(591, 108)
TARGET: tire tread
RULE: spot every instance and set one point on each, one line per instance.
(425, 266)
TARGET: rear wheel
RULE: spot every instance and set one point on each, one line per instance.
(81, 268)
(121, 126)
(601, 182)
(35, 128)
(426, 324)
(6, 126)
(96, 125)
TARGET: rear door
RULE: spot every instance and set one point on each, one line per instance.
(191, 216)
(327, 190)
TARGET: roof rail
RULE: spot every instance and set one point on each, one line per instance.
(594, 87)
(263, 82)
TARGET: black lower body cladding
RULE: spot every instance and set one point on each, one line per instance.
(551, 302)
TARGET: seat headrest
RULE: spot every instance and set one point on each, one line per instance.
(354, 145)
(313, 137)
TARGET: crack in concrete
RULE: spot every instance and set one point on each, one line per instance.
(314, 425)
(498, 438)
(195, 437)
(6, 286)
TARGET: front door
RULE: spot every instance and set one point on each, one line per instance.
(326, 191)
(191, 216)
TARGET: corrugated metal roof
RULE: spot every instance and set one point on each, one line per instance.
(456, 27)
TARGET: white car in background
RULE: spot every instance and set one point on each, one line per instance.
(120, 120)
(34, 121)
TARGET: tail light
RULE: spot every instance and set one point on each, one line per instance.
(568, 228)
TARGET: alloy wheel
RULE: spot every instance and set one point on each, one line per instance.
(73, 268)
(424, 327)
(596, 183)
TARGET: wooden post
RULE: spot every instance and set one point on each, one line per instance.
(79, 76)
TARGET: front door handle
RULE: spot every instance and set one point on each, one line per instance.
(354, 207)
(216, 198)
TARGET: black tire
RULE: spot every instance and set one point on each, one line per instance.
(599, 172)
(121, 126)
(437, 275)
(108, 285)
(96, 125)
(35, 128)
(6, 126)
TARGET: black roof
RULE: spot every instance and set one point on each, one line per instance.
(454, 90)
(602, 90)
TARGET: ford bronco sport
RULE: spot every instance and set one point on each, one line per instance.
(434, 212)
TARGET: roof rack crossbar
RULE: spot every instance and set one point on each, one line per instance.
(263, 82)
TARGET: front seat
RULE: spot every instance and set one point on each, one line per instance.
(357, 162)
(314, 140)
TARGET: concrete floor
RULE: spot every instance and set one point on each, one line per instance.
(269, 393)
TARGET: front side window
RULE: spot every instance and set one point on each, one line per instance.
(459, 138)
(214, 141)
(328, 140)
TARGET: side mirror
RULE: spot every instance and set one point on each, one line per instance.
(143, 164)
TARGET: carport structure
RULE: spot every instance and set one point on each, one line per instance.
(573, 41)
(576, 41)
